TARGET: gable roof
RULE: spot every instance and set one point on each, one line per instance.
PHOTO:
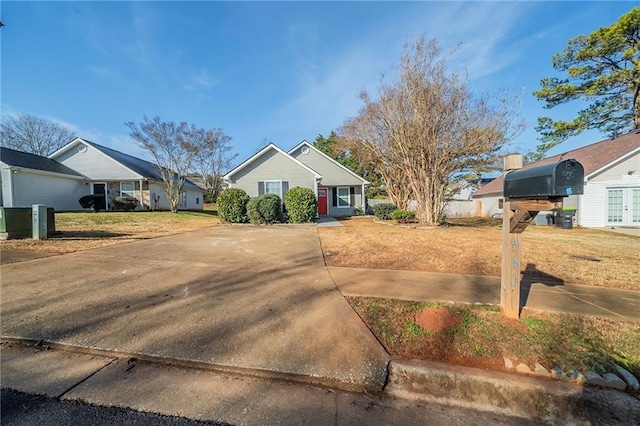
(142, 167)
(342, 166)
(264, 150)
(594, 158)
(14, 158)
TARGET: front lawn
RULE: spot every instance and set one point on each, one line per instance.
(580, 256)
(81, 231)
(479, 336)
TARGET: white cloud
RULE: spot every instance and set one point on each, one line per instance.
(200, 82)
(327, 87)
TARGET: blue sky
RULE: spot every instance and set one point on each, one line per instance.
(276, 71)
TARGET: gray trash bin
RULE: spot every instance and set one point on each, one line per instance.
(564, 219)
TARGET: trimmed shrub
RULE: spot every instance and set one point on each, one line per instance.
(232, 205)
(265, 209)
(125, 203)
(301, 204)
(90, 201)
(383, 211)
(403, 216)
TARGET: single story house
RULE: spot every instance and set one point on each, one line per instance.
(114, 174)
(611, 184)
(274, 171)
(27, 179)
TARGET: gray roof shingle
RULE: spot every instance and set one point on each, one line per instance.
(25, 160)
(592, 157)
(142, 167)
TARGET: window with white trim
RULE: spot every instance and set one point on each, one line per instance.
(273, 187)
(128, 189)
(343, 196)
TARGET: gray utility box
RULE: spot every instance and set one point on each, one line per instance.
(545, 182)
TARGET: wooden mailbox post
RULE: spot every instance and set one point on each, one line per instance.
(526, 193)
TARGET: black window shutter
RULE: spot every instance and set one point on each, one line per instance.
(260, 188)
(285, 189)
(352, 193)
(334, 197)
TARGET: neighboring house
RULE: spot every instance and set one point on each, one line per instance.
(271, 170)
(114, 174)
(27, 179)
(612, 184)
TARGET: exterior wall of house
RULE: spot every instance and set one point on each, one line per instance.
(593, 208)
(489, 205)
(25, 188)
(332, 174)
(355, 201)
(94, 164)
(593, 211)
(272, 165)
(159, 201)
(620, 171)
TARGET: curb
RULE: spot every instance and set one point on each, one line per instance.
(371, 388)
(528, 397)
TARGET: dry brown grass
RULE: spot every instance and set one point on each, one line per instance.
(581, 256)
(81, 231)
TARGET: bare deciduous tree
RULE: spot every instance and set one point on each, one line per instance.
(213, 158)
(35, 135)
(173, 147)
(426, 127)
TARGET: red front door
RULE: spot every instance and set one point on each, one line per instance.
(322, 201)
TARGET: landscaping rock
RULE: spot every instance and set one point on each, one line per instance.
(631, 380)
(523, 368)
(557, 373)
(539, 370)
(577, 376)
(594, 378)
(613, 381)
(508, 363)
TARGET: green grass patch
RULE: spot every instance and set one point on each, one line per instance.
(483, 336)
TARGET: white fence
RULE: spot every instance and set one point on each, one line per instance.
(455, 208)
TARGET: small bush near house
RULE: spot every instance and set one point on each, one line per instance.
(209, 197)
(403, 216)
(383, 211)
(301, 205)
(125, 203)
(265, 209)
(232, 205)
(90, 201)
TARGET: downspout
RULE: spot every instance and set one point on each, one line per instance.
(315, 190)
(140, 203)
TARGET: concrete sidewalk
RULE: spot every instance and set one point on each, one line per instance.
(430, 286)
(256, 300)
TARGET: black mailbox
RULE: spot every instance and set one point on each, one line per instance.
(547, 181)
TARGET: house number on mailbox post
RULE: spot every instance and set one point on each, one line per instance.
(527, 192)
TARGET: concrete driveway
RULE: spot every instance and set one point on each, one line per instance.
(235, 297)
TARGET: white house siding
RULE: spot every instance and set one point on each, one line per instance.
(490, 205)
(461, 208)
(159, 200)
(620, 171)
(593, 206)
(57, 191)
(95, 164)
(272, 165)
